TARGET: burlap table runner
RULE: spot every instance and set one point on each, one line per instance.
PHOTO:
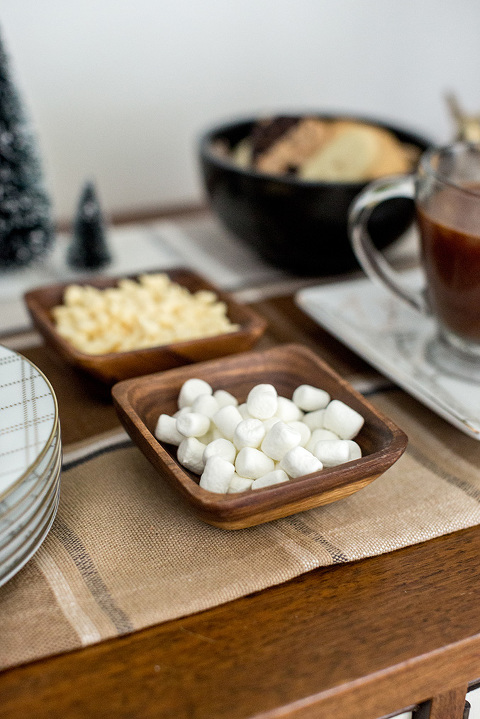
(125, 553)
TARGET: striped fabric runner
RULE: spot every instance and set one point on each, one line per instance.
(125, 553)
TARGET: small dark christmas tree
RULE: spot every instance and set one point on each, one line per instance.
(26, 229)
(89, 249)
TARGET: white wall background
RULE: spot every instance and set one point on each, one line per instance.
(119, 90)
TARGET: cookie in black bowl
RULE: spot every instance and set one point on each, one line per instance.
(284, 185)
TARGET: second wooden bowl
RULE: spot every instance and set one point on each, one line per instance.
(116, 366)
(140, 401)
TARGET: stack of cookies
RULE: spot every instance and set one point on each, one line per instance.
(316, 149)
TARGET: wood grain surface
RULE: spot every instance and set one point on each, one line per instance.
(355, 641)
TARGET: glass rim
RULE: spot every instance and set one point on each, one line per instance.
(454, 148)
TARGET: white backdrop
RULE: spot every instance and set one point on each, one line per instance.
(119, 90)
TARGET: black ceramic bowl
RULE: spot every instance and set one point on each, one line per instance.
(297, 225)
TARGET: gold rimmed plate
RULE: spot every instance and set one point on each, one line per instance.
(31, 542)
(28, 421)
(19, 522)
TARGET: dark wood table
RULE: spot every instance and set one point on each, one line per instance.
(357, 641)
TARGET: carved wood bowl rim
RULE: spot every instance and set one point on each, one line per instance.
(140, 401)
(116, 366)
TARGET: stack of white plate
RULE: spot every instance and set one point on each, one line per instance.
(30, 460)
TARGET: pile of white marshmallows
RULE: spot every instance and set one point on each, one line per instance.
(264, 441)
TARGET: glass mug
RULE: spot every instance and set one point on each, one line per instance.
(446, 191)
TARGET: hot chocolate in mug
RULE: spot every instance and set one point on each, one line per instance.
(446, 191)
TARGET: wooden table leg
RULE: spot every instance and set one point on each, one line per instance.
(450, 705)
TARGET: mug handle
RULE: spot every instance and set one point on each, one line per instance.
(371, 260)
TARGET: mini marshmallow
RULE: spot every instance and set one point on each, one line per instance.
(226, 420)
(342, 419)
(205, 404)
(217, 475)
(239, 484)
(248, 433)
(288, 410)
(355, 451)
(299, 461)
(268, 423)
(190, 454)
(223, 398)
(192, 424)
(310, 398)
(184, 410)
(275, 477)
(215, 432)
(262, 401)
(318, 435)
(332, 452)
(219, 438)
(279, 439)
(243, 409)
(314, 420)
(166, 430)
(253, 463)
(305, 433)
(207, 437)
(221, 447)
(191, 389)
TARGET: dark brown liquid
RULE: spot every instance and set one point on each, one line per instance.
(450, 231)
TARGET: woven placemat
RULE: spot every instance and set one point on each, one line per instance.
(125, 553)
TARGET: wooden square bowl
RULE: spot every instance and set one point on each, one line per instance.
(116, 366)
(140, 401)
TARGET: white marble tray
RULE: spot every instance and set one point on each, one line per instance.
(395, 340)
